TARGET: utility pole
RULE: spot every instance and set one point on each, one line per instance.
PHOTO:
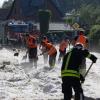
(2, 25)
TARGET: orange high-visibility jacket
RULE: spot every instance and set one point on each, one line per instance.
(51, 49)
(31, 42)
(43, 41)
(63, 45)
(81, 39)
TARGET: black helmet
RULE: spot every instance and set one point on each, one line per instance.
(81, 32)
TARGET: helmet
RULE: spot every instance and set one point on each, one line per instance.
(79, 46)
(81, 33)
(44, 37)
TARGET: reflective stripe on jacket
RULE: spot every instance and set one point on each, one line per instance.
(70, 73)
(72, 61)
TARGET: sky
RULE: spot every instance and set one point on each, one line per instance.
(1, 2)
(20, 81)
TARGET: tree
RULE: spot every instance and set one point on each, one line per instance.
(89, 15)
(7, 4)
(95, 32)
(94, 37)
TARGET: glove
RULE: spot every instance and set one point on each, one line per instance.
(94, 59)
(82, 79)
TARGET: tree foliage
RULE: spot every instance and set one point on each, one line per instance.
(94, 36)
(69, 5)
(89, 15)
(95, 32)
(7, 4)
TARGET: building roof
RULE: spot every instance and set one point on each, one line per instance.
(28, 9)
(57, 27)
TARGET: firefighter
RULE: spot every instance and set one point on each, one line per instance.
(32, 49)
(71, 77)
(52, 52)
(62, 48)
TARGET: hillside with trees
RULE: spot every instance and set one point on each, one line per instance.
(76, 4)
(65, 5)
(88, 11)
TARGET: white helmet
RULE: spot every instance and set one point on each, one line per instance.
(79, 46)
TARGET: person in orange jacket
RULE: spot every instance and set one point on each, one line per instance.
(44, 39)
(81, 39)
(62, 48)
(32, 49)
(43, 49)
(52, 52)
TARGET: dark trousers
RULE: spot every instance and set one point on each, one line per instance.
(33, 56)
(83, 67)
(52, 60)
(70, 83)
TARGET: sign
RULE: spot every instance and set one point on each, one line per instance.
(76, 26)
